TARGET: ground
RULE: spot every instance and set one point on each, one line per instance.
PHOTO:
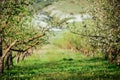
(53, 63)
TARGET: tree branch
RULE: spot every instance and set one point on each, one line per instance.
(31, 39)
(95, 36)
(23, 50)
(8, 49)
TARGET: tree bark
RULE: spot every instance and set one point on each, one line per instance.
(118, 60)
(17, 57)
(1, 65)
(1, 52)
(8, 49)
(106, 55)
(9, 60)
(111, 58)
(24, 55)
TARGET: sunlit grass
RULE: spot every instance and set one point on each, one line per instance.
(60, 64)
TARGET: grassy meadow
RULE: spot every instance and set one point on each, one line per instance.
(53, 63)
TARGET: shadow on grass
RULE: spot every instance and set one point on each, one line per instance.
(87, 69)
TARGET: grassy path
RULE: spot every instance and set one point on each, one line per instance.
(52, 63)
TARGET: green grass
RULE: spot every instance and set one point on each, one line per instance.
(60, 64)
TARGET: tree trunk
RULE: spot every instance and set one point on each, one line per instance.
(17, 57)
(106, 55)
(8, 61)
(1, 65)
(93, 53)
(118, 60)
(111, 58)
(1, 52)
(11, 59)
(23, 55)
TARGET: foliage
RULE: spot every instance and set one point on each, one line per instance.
(102, 31)
(73, 42)
(105, 15)
(11, 14)
(18, 33)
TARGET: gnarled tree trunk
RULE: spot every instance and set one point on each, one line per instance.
(1, 52)
(9, 60)
(18, 57)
